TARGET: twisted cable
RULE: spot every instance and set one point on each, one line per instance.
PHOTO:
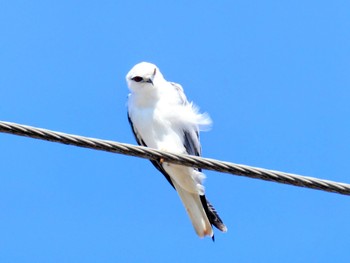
(188, 160)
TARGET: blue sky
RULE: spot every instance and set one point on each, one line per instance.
(274, 77)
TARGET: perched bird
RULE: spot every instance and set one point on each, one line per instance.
(161, 118)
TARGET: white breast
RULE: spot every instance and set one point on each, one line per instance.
(156, 128)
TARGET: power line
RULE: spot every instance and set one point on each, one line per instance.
(189, 160)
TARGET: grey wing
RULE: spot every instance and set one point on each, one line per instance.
(191, 141)
(191, 135)
(180, 92)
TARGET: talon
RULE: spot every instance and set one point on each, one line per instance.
(161, 160)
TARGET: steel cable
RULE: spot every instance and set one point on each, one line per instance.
(188, 160)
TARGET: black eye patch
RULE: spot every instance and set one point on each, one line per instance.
(137, 79)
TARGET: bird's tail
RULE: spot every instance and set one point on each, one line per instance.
(196, 212)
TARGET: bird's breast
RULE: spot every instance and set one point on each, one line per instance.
(157, 129)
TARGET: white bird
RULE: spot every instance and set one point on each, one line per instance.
(161, 118)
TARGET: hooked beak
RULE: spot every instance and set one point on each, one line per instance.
(150, 80)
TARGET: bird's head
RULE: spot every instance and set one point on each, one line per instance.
(143, 76)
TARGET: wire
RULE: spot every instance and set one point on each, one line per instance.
(188, 160)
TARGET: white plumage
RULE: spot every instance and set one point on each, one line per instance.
(162, 118)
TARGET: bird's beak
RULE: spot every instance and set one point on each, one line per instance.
(150, 80)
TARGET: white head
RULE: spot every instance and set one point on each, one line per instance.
(143, 76)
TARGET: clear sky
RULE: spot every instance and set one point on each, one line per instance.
(273, 75)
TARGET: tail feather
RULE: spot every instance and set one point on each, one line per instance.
(213, 216)
(201, 212)
(196, 212)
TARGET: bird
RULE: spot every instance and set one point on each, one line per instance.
(162, 118)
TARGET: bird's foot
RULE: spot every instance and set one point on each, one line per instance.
(161, 160)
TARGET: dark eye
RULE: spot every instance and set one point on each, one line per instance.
(137, 79)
